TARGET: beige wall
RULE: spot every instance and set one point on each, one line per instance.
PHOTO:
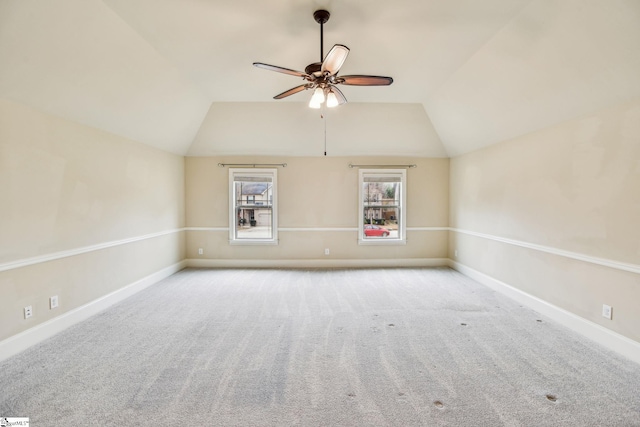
(573, 187)
(67, 190)
(319, 193)
(516, 210)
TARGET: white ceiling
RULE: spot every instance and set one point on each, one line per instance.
(177, 74)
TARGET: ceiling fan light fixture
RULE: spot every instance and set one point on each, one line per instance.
(314, 104)
(332, 100)
(318, 96)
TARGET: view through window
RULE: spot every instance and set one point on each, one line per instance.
(382, 205)
(252, 205)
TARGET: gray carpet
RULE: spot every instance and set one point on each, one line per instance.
(370, 347)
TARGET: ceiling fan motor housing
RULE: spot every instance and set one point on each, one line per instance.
(313, 68)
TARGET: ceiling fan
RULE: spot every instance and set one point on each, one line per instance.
(323, 76)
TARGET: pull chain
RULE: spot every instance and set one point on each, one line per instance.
(324, 119)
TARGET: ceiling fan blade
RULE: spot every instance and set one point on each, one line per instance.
(359, 80)
(281, 69)
(335, 58)
(292, 91)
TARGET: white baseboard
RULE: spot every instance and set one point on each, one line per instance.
(591, 330)
(317, 263)
(17, 343)
(603, 336)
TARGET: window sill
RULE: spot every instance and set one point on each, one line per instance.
(381, 242)
(251, 242)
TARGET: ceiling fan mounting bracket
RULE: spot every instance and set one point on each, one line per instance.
(321, 16)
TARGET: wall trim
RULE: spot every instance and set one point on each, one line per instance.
(25, 262)
(23, 340)
(633, 268)
(320, 229)
(601, 335)
(317, 263)
(226, 229)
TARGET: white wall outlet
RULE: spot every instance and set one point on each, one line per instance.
(28, 312)
(607, 311)
(53, 302)
(200, 251)
(455, 253)
(326, 251)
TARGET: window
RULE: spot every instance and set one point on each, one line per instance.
(382, 206)
(252, 206)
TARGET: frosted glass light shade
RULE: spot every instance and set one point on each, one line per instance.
(332, 100)
(318, 95)
(314, 104)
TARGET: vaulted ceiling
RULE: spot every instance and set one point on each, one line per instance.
(178, 74)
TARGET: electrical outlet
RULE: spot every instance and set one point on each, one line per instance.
(53, 302)
(455, 253)
(607, 311)
(200, 251)
(326, 251)
(28, 312)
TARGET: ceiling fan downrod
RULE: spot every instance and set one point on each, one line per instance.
(321, 16)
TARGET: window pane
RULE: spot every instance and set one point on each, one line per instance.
(253, 207)
(381, 207)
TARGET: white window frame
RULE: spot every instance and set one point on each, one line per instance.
(233, 223)
(402, 226)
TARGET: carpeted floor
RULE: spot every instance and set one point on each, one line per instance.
(361, 347)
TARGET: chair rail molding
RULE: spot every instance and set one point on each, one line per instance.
(633, 268)
(25, 262)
